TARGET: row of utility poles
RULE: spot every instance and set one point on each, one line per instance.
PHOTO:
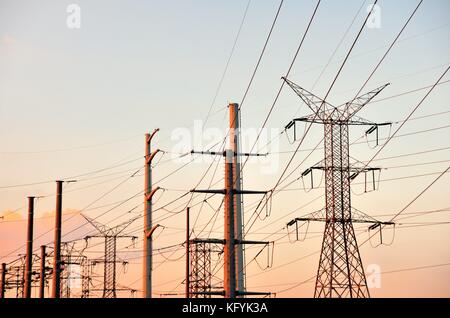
(233, 241)
(56, 273)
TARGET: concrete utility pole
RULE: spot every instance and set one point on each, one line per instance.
(42, 273)
(56, 283)
(187, 252)
(148, 193)
(29, 255)
(3, 282)
(237, 182)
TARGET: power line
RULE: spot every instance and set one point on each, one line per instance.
(262, 53)
(315, 115)
(219, 86)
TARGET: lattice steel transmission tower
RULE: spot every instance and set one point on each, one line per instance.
(340, 272)
(200, 276)
(110, 236)
(86, 272)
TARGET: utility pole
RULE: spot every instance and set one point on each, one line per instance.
(237, 183)
(56, 283)
(3, 282)
(340, 272)
(148, 193)
(187, 252)
(29, 256)
(42, 273)
(231, 239)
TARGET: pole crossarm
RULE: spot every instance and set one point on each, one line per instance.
(355, 121)
(212, 241)
(315, 103)
(209, 293)
(152, 155)
(250, 293)
(149, 196)
(220, 191)
(354, 106)
(150, 137)
(208, 191)
(252, 242)
(223, 242)
(228, 153)
(352, 170)
(107, 231)
(151, 231)
(325, 112)
(357, 216)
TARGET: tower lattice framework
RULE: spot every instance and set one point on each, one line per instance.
(110, 236)
(109, 282)
(200, 276)
(340, 272)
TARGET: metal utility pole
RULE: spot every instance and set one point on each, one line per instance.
(29, 255)
(56, 283)
(148, 241)
(187, 252)
(340, 272)
(230, 242)
(42, 273)
(237, 184)
(230, 239)
(3, 282)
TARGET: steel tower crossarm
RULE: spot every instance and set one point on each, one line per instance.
(351, 108)
(315, 103)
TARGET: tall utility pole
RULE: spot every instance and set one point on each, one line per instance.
(237, 183)
(56, 283)
(29, 255)
(340, 272)
(231, 241)
(148, 194)
(42, 273)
